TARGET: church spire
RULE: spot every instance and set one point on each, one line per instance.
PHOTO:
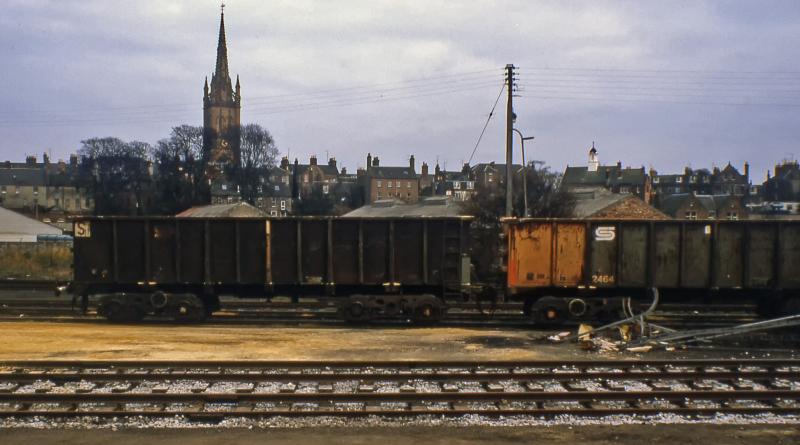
(222, 49)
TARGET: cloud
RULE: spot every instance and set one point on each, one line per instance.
(646, 80)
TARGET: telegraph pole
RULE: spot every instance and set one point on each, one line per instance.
(509, 138)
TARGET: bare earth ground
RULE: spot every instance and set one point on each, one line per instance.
(607, 435)
(39, 340)
(30, 340)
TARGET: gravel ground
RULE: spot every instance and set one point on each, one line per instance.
(89, 422)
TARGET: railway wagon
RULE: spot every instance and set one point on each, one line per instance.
(581, 269)
(178, 267)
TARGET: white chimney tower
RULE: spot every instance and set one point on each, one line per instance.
(594, 161)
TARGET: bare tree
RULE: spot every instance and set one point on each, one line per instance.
(258, 154)
(117, 174)
(180, 165)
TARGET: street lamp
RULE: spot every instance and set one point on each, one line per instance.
(524, 171)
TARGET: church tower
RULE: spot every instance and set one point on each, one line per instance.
(221, 113)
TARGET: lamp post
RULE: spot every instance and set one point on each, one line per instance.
(524, 171)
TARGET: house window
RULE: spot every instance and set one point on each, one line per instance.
(693, 179)
(624, 189)
(398, 184)
(691, 214)
(16, 190)
(732, 216)
(3, 189)
(224, 186)
(389, 184)
(57, 202)
(283, 205)
(379, 183)
(655, 180)
(77, 204)
(277, 188)
(273, 213)
(35, 189)
(456, 185)
(379, 196)
(325, 189)
(408, 184)
(679, 179)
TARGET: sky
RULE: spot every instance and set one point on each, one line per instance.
(661, 84)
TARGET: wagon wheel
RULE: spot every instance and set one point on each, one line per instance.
(189, 311)
(355, 312)
(549, 311)
(427, 312)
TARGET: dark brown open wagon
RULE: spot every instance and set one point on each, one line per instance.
(392, 266)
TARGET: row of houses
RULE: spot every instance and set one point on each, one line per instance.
(49, 190)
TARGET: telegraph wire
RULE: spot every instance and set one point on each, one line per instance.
(489, 118)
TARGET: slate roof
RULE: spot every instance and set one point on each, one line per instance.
(590, 204)
(437, 206)
(671, 203)
(392, 173)
(279, 190)
(15, 227)
(606, 175)
(235, 210)
(327, 170)
(21, 176)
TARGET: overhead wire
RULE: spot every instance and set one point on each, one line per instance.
(488, 118)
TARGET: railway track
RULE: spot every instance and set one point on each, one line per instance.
(40, 307)
(204, 390)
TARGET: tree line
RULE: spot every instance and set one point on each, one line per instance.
(137, 178)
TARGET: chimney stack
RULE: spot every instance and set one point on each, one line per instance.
(369, 161)
(376, 162)
(313, 160)
(332, 162)
(411, 163)
(424, 169)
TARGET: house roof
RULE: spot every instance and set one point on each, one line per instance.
(235, 210)
(604, 204)
(671, 203)
(22, 176)
(278, 190)
(392, 173)
(437, 206)
(604, 176)
(15, 227)
(327, 170)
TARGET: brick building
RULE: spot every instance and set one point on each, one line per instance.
(46, 190)
(613, 178)
(400, 183)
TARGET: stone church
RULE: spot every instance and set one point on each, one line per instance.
(222, 104)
